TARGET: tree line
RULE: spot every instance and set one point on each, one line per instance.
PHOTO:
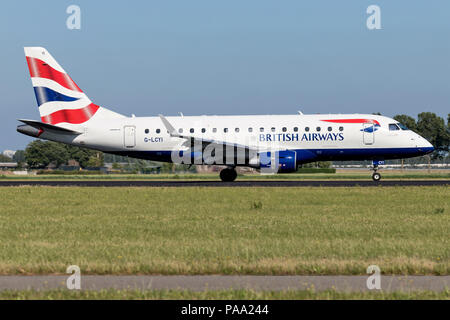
(40, 154)
(431, 127)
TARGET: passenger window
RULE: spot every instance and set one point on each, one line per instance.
(295, 129)
(318, 129)
(284, 129)
(307, 129)
(158, 131)
(147, 131)
(236, 130)
(250, 129)
(341, 128)
(214, 130)
(191, 130)
(261, 129)
(225, 130)
(329, 128)
(180, 130)
(272, 129)
(203, 130)
(393, 127)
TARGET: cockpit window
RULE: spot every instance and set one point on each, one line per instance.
(393, 127)
(402, 126)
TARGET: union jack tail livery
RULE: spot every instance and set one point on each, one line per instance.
(59, 99)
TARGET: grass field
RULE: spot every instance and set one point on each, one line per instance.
(404, 230)
(220, 295)
(348, 175)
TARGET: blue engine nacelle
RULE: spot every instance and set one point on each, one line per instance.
(279, 161)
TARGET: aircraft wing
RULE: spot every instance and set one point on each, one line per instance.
(173, 133)
(243, 152)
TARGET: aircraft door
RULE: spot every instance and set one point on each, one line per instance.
(368, 133)
(129, 136)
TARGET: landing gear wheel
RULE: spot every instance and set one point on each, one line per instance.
(228, 175)
(376, 176)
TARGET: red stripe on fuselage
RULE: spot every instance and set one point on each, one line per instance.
(353, 121)
(40, 69)
(75, 116)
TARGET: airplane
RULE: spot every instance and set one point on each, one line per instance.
(269, 143)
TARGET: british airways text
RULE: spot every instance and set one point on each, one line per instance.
(299, 137)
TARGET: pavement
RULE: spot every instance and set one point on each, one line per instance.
(238, 183)
(224, 282)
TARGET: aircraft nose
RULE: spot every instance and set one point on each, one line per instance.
(425, 146)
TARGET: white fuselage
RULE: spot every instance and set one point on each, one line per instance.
(313, 137)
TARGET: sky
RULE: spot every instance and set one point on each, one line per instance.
(232, 57)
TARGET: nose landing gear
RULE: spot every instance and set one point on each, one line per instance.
(376, 176)
(228, 174)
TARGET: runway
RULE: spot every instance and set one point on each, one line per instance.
(238, 183)
(222, 282)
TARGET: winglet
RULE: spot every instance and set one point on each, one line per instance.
(168, 126)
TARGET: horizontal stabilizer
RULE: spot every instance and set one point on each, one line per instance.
(41, 126)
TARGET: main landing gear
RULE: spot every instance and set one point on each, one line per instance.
(228, 174)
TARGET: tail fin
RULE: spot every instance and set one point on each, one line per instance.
(59, 98)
